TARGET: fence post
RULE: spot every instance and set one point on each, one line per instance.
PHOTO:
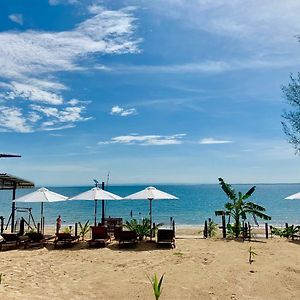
(76, 229)
(267, 230)
(205, 229)
(224, 226)
(38, 227)
(1, 224)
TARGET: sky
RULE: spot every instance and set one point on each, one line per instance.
(169, 91)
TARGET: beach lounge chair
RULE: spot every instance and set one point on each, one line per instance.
(117, 231)
(99, 236)
(37, 239)
(165, 238)
(12, 239)
(65, 239)
(127, 238)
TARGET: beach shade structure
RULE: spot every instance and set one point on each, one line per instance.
(96, 194)
(150, 193)
(42, 196)
(293, 197)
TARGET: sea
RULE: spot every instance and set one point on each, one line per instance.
(196, 203)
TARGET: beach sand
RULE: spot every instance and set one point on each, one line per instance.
(196, 269)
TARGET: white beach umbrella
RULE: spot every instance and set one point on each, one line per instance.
(293, 197)
(41, 195)
(95, 194)
(150, 193)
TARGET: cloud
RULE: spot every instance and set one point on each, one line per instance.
(17, 18)
(208, 67)
(57, 2)
(146, 140)
(212, 141)
(119, 111)
(29, 61)
(12, 119)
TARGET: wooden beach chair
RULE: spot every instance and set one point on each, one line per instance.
(117, 231)
(100, 236)
(165, 238)
(65, 239)
(12, 239)
(127, 238)
(37, 239)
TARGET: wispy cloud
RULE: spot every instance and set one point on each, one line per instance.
(57, 2)
(120, 111)
(30, 59)
(212, 141)
(146, 140)
(17, 18)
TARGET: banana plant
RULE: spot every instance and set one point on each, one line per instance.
(156, 285)
(84, 229)
(238, 208)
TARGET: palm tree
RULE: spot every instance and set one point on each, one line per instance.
(238, 207)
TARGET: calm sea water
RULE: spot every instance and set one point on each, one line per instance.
(196, 203)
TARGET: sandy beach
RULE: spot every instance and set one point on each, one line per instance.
(196, 269)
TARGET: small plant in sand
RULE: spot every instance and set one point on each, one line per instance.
(84, 229)
(156, 285)
(1, 277)
(178, 253)
(212, 228)
(251, 255)
(288, 232)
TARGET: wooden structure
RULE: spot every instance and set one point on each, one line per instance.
(11, 182)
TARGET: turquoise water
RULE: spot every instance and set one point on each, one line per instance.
(196, 203)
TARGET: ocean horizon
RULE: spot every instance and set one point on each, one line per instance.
(196, 203)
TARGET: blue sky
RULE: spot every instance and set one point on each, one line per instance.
(152, 91)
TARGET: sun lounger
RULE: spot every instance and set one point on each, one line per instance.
(65, 239)
(117, 231)
(127, 238)
(99, 236)
(37, 239)
(12, 239)
(165, 237)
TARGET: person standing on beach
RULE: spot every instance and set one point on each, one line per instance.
(58, 224)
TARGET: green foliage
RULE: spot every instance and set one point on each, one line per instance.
(288, 232)
(141, 228)
(238, 208)
(84, 229)
(212, 228)
(68, 230)
(178, 253)
(291, 125)
(251, 255)
(33, 235)
(156, 285)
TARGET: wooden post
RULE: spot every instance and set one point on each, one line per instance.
(205, 229)
(57, 228)
(267, 230)
(76, 229)
(38, 227)
(13, 209)
(249, 226)
(103, 206)
(224, 226)
(286, 225)
(22, 227)
(1, 224)
(153, 231)
(271, 229)
(173, 225)
(209, 233)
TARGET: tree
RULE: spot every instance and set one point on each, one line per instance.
(291, 125)
(238, 207)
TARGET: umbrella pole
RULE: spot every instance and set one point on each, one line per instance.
(103, 212)
(150, 219)
(95, 212)
(42, 217)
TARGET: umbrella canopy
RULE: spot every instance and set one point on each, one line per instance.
(41, 195)
(293, 197)
(150, 193)
(95, 194)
